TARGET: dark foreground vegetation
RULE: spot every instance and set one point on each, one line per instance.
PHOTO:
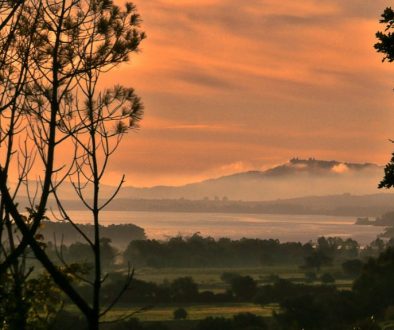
(313, 303)
(316, 300)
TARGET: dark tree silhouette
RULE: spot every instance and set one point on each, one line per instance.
(53, 55)
(385, 45)
(386, 38)
(374, 288)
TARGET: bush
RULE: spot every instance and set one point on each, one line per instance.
(184, 289)
(244, 287)
(180, 314)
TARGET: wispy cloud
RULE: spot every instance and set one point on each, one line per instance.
(225, 81)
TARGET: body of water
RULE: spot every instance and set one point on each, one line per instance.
(161, 225)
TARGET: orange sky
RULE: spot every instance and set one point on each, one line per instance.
(236, 85)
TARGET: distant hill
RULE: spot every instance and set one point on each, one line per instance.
(296, 178)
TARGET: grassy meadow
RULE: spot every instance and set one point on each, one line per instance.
(210, 279)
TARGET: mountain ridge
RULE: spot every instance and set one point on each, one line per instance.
(295, 178)
(294, 164)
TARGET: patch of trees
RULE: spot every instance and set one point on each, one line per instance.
(319, 307)
(198, 251)
(329, 250)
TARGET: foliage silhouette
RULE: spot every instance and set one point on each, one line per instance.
(53, 55)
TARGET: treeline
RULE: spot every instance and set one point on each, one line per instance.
(198, 251)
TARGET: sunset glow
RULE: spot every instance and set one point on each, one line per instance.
(229, 87)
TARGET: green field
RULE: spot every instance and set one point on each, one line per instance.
(195, 312)
(209, 278)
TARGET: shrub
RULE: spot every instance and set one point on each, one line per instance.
(244, 287)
